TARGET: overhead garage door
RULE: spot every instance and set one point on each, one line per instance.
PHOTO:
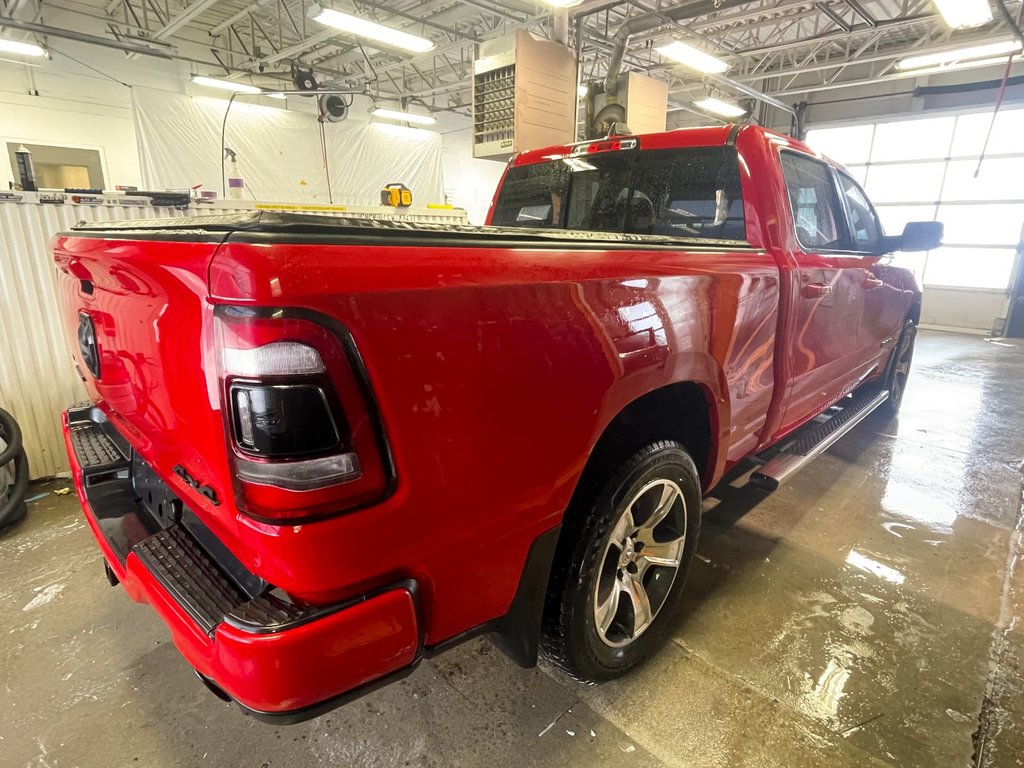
(924, 169)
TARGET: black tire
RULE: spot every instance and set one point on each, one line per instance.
(13, 508)
(589, 565)
(899, 368)
(11, 433)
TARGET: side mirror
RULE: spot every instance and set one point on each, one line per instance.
(917, 236)
(921, 236)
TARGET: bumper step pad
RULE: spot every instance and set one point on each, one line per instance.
(188, 573)
(95, 450)
(207, 594)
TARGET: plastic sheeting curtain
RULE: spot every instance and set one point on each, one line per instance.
(279, 151)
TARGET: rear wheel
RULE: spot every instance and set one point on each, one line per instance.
(621, 573)
(899, 368)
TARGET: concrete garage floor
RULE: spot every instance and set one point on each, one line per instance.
(866, 614)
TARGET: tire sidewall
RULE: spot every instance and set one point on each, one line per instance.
(595, 659)
(905, 344)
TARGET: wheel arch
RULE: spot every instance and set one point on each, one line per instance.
(646, 419)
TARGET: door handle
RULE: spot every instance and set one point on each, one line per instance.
(817, 290)
(873, 282)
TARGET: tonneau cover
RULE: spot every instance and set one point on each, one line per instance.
(340, 226)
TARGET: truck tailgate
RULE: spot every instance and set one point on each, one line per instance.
(138, 318)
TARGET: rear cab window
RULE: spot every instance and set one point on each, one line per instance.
(691, 192)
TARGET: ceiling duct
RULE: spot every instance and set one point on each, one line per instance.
(682, 12)
(648, 21)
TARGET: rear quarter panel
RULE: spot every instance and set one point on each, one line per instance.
(496, 370)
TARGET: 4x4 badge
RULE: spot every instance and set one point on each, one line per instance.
(190, 481)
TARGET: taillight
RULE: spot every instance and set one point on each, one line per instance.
(304, 437)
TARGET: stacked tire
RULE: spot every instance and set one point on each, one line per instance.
(13, 472)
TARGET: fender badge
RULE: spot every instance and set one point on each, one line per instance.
(190, 481)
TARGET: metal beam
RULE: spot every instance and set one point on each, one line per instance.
(81, 37)
(214, 31)
(183, 18)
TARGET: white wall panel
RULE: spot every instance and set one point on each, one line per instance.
(37, 377)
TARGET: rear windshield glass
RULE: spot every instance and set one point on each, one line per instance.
(691, 192)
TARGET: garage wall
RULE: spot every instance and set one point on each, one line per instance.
(82, 97)
(279, 150)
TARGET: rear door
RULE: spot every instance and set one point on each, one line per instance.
(827, 354)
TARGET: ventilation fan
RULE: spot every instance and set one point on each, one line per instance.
(303, 80)
(333, 109)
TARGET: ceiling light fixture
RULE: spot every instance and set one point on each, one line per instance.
(581, 91)
(999, 61)
(354, 25)
(692, 58)
(719, 107)
(964, 13)
(405, 117)
(563, 3)
(224, 85)
(959, 55)
(25, 49)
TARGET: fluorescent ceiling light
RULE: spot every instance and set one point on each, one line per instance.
(581, 90)
(563, 3)
(720, 107)
(279, 96)
(964, 13)
(225, 85)
(959, 55)
(972, 64)
(25, 49)
(690, 57)
(405, 117)
(354, 25)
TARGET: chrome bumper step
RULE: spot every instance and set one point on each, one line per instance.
(812, 441)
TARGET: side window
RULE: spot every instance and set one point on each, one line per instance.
(693, 192)
(864, 226)
(817, 213)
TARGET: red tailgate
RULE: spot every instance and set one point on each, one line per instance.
(151, 366)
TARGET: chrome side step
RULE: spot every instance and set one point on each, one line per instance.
(814, 441)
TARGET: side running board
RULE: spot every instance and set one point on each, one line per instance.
(813, 441)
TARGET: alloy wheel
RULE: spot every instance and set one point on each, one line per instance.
(640, 563)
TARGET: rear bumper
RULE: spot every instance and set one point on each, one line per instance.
(278, 660)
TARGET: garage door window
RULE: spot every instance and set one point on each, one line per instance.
(924, 170)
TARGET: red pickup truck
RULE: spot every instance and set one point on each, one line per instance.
(322, 449)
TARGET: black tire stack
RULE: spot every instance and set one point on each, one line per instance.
(13, 472)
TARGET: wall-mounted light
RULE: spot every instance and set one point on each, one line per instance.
(405, 117)
(959, 55)
(719, 107)
(693, 58)
(21, 48)
(224, 85)
(964, 13)
(371, 30)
